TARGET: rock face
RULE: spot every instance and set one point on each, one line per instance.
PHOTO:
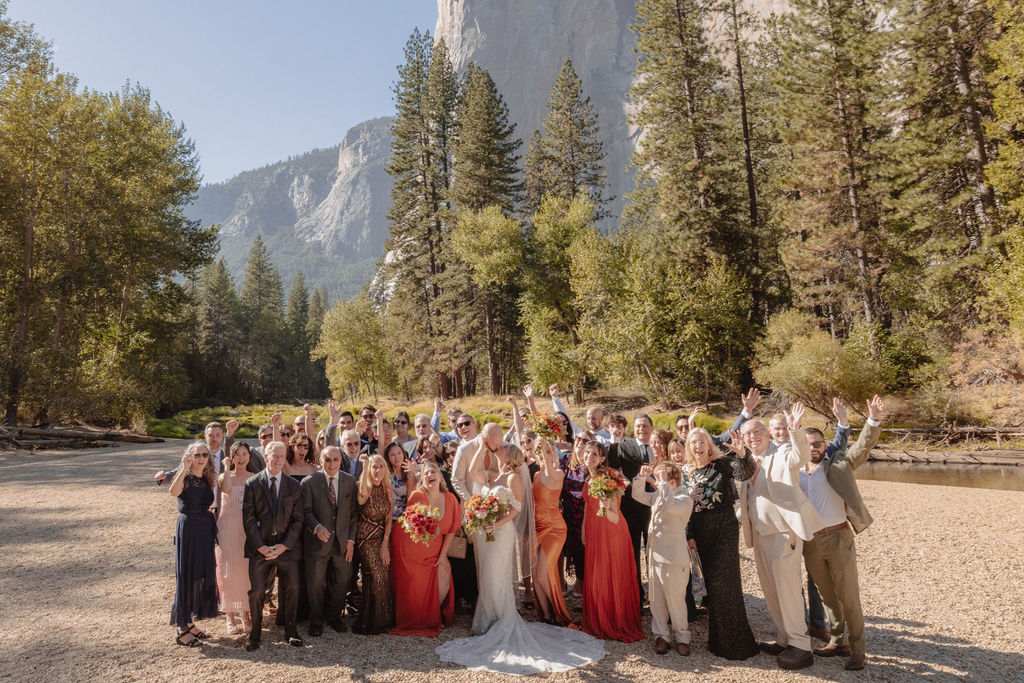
(523, 44)
(322, 212)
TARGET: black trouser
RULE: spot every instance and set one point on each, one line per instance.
(637, 521)
(260, 570)
(316, 586)
(464, 575)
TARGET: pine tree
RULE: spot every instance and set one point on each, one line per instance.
(1007, 128)
(535, 178)
(314, 325)
(486, 164)
(262, 363)
(296, 317)
(219, 332)
(570, 152)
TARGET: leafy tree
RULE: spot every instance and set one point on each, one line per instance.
(358, 363)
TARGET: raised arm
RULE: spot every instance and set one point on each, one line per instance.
(528, 393)
(800, 453)
(637, 488)
(559, 407)
(435, 418)
(517, 421)
(476, 466)
(869, 434)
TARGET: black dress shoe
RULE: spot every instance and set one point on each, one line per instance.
(316, 631)
(771, 648)
(793, 658)
(338, 626)
(251, 645)
(295, 640)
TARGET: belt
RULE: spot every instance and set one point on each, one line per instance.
(830, 530)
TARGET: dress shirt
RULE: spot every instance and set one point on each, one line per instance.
(823, 497)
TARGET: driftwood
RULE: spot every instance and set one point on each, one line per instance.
(1004, 458)
(78, 435)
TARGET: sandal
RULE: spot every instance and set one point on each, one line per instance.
(180, 640)
(198, 632)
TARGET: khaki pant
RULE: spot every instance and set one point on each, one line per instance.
(832, 563)
(667, 593)
(778, 568)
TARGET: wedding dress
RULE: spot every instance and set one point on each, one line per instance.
(507, 643)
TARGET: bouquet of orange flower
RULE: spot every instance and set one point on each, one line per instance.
(483, 511)
(606, 486)
(546, 426)
(421, 522)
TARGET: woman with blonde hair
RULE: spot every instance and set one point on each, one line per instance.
(373, 541)
(422, 575)
(715, 534)
(195, 569)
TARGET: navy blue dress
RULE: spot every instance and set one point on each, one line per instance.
(195, 569)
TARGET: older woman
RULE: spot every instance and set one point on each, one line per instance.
(422, 576)
(195, 569)
(373, 541)
(232, 564)
(715, 534)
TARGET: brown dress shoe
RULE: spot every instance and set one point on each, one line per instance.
(819, 633)
(683, 649)
(832, 650)
(661, 646)
(855, 663)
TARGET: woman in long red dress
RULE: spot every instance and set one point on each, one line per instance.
(424, 600)
(611, 599)
(551, 531)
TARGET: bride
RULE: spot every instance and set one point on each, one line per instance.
(507, 643)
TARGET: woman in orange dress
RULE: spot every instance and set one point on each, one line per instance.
(424, 600)
(611, 599)
(551, 530)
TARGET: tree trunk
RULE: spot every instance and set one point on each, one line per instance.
(493, 380)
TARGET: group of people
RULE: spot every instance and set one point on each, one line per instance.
(326, 516)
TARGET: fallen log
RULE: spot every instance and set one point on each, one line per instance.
(82, 435)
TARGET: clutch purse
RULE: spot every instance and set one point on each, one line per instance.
(457, 548)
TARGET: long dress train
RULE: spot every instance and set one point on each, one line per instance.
(508, 644)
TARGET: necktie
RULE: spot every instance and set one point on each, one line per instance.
(643, 448)
(331, 493)
(273, 491)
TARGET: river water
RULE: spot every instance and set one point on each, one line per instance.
(1007, 478)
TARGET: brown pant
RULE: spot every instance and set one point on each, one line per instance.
(831, 561)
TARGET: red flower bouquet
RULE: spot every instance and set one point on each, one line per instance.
(421, 522)
(606, 486)
(483, 511)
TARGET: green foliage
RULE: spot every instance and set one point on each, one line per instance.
(815, 367)
(1007, 127)
(358, 363)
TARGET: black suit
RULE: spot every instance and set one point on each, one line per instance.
(267, 525)
(341, 523)
(627, 457)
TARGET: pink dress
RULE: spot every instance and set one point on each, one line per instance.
(232, 564)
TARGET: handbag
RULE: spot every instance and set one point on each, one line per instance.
(457, 548)
(697, 585)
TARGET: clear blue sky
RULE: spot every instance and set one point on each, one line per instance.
(254, 81)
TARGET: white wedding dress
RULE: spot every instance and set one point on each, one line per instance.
(509, 644)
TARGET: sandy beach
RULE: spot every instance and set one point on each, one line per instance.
(86, 579)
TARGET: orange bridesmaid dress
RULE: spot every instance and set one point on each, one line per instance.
(418, 611)
(551, 532)
(611, 598)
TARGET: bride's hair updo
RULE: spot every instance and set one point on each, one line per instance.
(515, 457)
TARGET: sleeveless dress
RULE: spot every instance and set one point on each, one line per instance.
(611, 601)
(375, 615)
(195, 569)
(508, 644)
(418, 608)
(551, 532)
(232, 564)
(572, 512)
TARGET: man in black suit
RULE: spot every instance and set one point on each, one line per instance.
(272, 518)
(628, 457)
(330, 507)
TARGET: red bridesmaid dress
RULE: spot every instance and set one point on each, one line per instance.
(414, 574)
(611, 598)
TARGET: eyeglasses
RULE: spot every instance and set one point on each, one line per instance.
(265, 436)
(401, 422)
(286, 434)
(367, 416)
(351, 443)
(302, 445)
(460, 425)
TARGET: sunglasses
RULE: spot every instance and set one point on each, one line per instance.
(201, 455)
(401, 422)
(263, 437)
(460, 425)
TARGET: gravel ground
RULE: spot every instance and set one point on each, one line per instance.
(86, 579)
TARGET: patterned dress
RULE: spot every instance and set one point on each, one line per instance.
(713, 526)
(572, 511)
(375, 615)
(401, 490)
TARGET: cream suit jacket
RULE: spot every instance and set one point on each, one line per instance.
(670, 513)
(782, 469)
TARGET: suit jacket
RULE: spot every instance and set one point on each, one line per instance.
(317, 510)
(332, 438)
(782, 469)
(262, 523)
(842, 480)
(627, 457)
(670, 513)
(725, 437)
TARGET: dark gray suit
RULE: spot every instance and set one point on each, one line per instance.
(341, 522)
(628, 457)
(267, 524)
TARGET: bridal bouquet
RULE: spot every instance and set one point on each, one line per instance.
(546, 426)
(606, 486)
(421, 522)
(483, 510)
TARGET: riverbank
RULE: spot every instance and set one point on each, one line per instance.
(86, 575)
